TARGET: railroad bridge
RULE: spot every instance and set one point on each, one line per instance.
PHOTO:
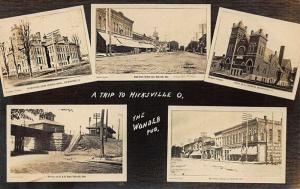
(41, 138)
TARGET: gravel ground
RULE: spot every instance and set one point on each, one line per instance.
(152, 63)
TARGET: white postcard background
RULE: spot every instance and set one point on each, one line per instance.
(246, 86)
(206, 175)
(113, 77)
(58, 82)
(67, 177)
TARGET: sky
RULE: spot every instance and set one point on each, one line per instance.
(69, 22)
(180, 25)
(280, 33)
(79, 116)
(185, 128)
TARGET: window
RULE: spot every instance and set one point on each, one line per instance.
(270, 135)
(279, 136)
(262, 136)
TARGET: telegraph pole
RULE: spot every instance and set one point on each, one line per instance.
(246, 117)
(102, 133)
(119, 130)
(106, 125)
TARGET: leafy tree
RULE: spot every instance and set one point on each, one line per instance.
(23, 113)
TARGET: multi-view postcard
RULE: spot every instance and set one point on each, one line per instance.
(255, 53)
(66, 143)
(226, 144)
(44, 51)
(150, 42)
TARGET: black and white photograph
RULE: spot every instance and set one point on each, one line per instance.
(226, 144)
(255, 53)
(66, 143)
(150, 42)
(44, 50)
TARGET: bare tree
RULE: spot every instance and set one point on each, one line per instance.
(12, 49)
(75, 39)
(26, 42)
(3, 52)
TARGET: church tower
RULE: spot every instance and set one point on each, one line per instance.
(238, 31)
(257, 47)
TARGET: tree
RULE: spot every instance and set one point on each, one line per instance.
(75, 39)
(3, 52)
(26, 42)
(12, 49)
(23, 113)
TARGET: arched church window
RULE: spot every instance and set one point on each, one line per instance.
(241, 50)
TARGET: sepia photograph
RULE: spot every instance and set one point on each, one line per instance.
(152, 42)
(255, 53)
(243, 145)
(44, 50)
(66, 143)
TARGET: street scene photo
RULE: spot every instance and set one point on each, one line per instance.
(151, 40)
(244, 145)
(252, 50)
(44, 47)
(56, 143)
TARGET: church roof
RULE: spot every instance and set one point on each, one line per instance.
(240, 24)
(286, 63)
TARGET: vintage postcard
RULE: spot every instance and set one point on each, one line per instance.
(44, 51)
(249, 53)
(66, 143)
(226, 144)
(150, 42)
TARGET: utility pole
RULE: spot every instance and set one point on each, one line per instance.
(119, 130)
(272, 139)
(106, 125)
(246, 118)
(102, 134)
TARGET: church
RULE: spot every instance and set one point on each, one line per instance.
(248, 57)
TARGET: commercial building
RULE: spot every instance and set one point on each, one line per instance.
(258, 140)
(248, 57)
(115, 34)
(50, 51)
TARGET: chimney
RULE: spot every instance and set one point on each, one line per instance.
(252, 32)
(281, 54)
(260, 30)
(267, 35)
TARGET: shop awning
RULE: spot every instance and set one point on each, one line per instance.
(147, 45)
(196, 153)
(235, 151)
(105, 36)
(128, 42)
(252, 150)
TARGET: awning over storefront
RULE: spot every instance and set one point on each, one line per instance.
(235, 151)
(252, 150)
(105, 36)
(196, 153)
(126, 42)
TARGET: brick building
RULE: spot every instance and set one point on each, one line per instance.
(249, 58)
(263, 143)
(115, 34)
(50, 51)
